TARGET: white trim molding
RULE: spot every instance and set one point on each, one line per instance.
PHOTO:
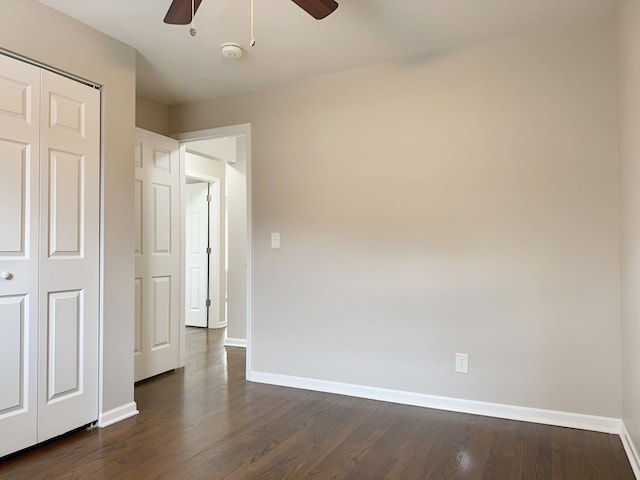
(235, 342)
(511, 412)
(117, 414)
(631, 450)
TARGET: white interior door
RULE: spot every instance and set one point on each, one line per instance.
(197, 258)
(157, 249)
(19, 153)
(69, 255)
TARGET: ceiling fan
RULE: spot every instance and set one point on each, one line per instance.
(181, 11)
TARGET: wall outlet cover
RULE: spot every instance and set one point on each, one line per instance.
(462, 363)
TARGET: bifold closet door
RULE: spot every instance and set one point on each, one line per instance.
(49, 254)
(19, 184)
(69, 255)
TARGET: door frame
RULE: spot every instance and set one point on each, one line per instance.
(243, 129)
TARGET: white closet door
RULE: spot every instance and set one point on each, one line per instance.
(69, 255)
(157, 249)
(19, 150)
(197, 259)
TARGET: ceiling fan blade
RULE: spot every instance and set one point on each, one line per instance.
(318, 9)
(179, 12)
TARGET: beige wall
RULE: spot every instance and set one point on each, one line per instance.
(33, 30)
(152, 115)
(237, 235)
(630, 212)
(467, 202)
(199, 161)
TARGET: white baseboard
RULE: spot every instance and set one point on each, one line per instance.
(117, 414)
(631, 450)
(511, 412)
(235, 342)
(218, 326)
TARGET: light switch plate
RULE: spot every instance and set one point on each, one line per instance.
(275, 240)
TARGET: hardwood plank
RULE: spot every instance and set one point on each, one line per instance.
(500, 459)
(206, 421)
(344, 459)
(299, 455)
(622, 462)
(532, 451)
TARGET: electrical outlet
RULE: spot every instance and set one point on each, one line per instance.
(462, 363)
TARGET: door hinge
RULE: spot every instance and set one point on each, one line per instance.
(208, 250)
(208, 302)
(209, 198)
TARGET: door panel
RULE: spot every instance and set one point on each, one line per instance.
(63, 344)
(66, 193)
(137, 337)
(162, 159)
(14, 184)
(161, 219)
(137, 186)
(69, 255)
(162, 312)
(157, 270)
(19, 149)
(13, 324)
(19, 91)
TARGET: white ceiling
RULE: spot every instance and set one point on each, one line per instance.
(174, 67)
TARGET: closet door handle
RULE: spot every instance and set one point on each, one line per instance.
(6, 275)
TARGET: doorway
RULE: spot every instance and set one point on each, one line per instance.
(225, 152)
(205, 233)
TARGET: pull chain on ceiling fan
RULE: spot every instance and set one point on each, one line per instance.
(193, 30)
(253, 39)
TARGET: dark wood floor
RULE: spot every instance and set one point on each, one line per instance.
(206, 421)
